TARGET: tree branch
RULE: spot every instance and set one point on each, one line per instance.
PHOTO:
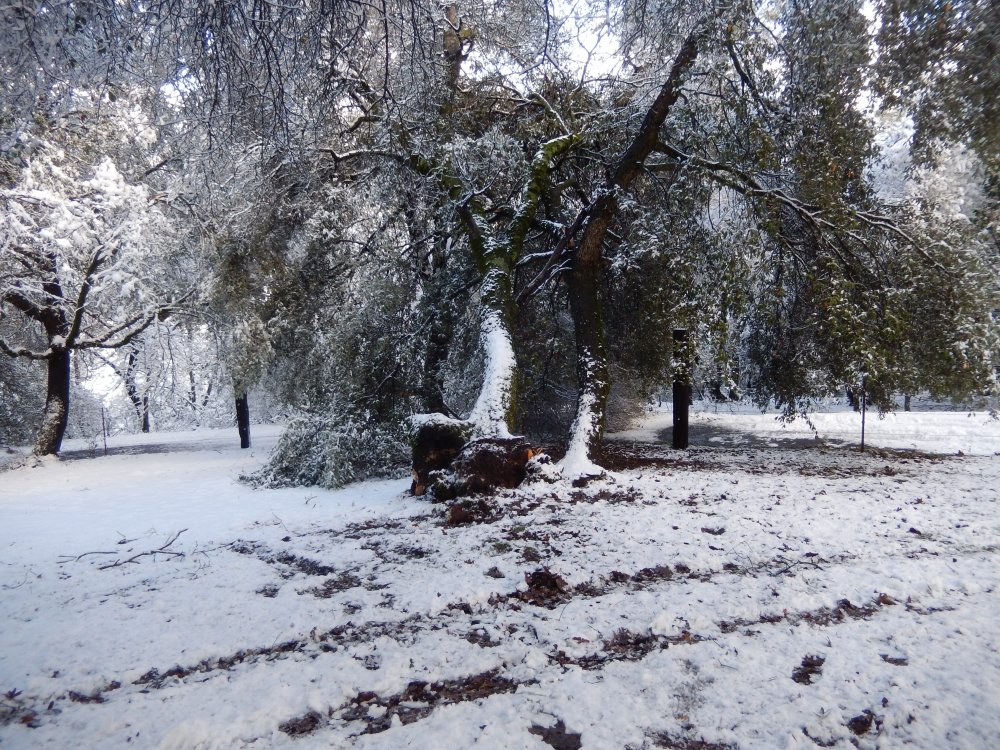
(11, 351)
(162, 550)
(745, 183)
(24, 305)
(137, 323)
(81, 299)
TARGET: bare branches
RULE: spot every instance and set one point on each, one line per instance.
(22, 303)
(163, 549)
(97, 258)
(554, 264)
(746, 78)
(361, 153)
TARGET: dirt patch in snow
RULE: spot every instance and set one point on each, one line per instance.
(300, 725)
(810, 667)
(545, 589)
(290, 563)
(557, 737)
(685, 743)
(837, 462)
(96, 696)
(420, 699)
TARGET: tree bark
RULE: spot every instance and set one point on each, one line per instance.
(56, 416)
(139, 402)
(585, 273)
(243, 419)
(592, 373)
(497, 257)
(439, 310)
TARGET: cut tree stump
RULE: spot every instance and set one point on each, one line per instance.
(449, 464)
(488, 463)
(435, 440)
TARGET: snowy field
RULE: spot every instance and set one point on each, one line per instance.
(767, 588)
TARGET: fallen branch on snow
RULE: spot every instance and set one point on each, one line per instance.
(789, 565)
(162, 550)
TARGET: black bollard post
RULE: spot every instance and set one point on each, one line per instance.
(682, 388)
(243, 419)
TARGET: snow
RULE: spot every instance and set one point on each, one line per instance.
(693, 588)
(576, 463)
(489, 414)
(971, 432)
(417, 421)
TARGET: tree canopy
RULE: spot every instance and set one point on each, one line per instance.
(499, 214)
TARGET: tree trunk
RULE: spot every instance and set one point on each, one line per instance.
(243, 419)
(591, 355)
(440, 309)
(585, 305)
(435, 357)
(56, 417)
(853, 398)
(492, 412)
(497, 258)
(139, 402)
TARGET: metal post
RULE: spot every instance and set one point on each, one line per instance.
(682, 388)
(864, 408)
(243, 419)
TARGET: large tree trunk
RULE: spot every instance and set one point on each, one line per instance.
(435, 357)
(56, 417)
(438, 309)
(493, 410)
(493, 457)
(585, 304)
(591, 355)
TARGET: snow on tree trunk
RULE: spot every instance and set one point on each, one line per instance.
(584, 437)
(491, 412)
(584, 297)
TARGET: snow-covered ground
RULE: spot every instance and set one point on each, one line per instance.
(764, 589)
(736, 425)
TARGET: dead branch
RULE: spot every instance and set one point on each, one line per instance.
(163, 550)
(77, 558)
(792, 564)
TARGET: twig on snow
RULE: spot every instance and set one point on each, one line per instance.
(162, 550)
(77, 558)
(792, 564)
